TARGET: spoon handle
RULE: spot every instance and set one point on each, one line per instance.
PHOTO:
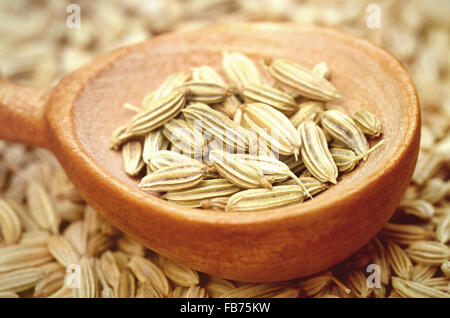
(22, 116)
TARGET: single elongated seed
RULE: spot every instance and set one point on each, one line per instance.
(206, 73)
(41, 207)
(179, 292)
(357, 282)
(206, 189)
(174, 177)
(341, 127)
(147, 290)
(434, 191)
(34, 238)
(121, 259)
(368, 123)
(263, 199)
(183, 135)
(428, 252)
(382, 262)
(272, 168)
(306, 82)
(127, 245)
(274, 127)
(8, 294)
(10, 226)
(218, 125)
(26, 219)
(439, 283)
(427, 165)
(239, 172)
(205, 92)
(126, 288)
(132, 158)
(147, 272)
(166, 158)
(88, 283)
(307, 110)
(178, 273)
(167, 87)
(317, 283)
(18, 256)
(423, 272)
(109, 267)
(346, 159)
(49, 284)
(315, 153)
(218, 286)
(98, 243)
(106, 290)
(321, 69)
(240, 69)
(154, 141)
(271, 96)
(405, 234)
(119, 136)
(77, 235)
(20, 280)
(196, 292)
(50, 268)
(420, 208)
(159, 113)
(62, 250)
(443, 229)
(399, 260)
(409, 289)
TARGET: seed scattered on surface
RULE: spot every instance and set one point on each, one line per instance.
(368, 123)
(159, 113)
(315, 153)
(271, 96)
(306, 82)
(274, 127)
(263, 199)
(174, 177)
(342, 128)
(205, 92)
(132, 158)
(240, 69)
(239, 172)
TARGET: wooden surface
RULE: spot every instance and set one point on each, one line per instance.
(22, 113)
(85, 108)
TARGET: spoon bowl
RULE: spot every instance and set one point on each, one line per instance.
(75, 120)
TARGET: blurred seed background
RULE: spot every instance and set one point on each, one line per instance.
(37, 48)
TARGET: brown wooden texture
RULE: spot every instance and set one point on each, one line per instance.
(22, 113)
(295, 241)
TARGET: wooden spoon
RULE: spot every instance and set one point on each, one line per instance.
(75, 121)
